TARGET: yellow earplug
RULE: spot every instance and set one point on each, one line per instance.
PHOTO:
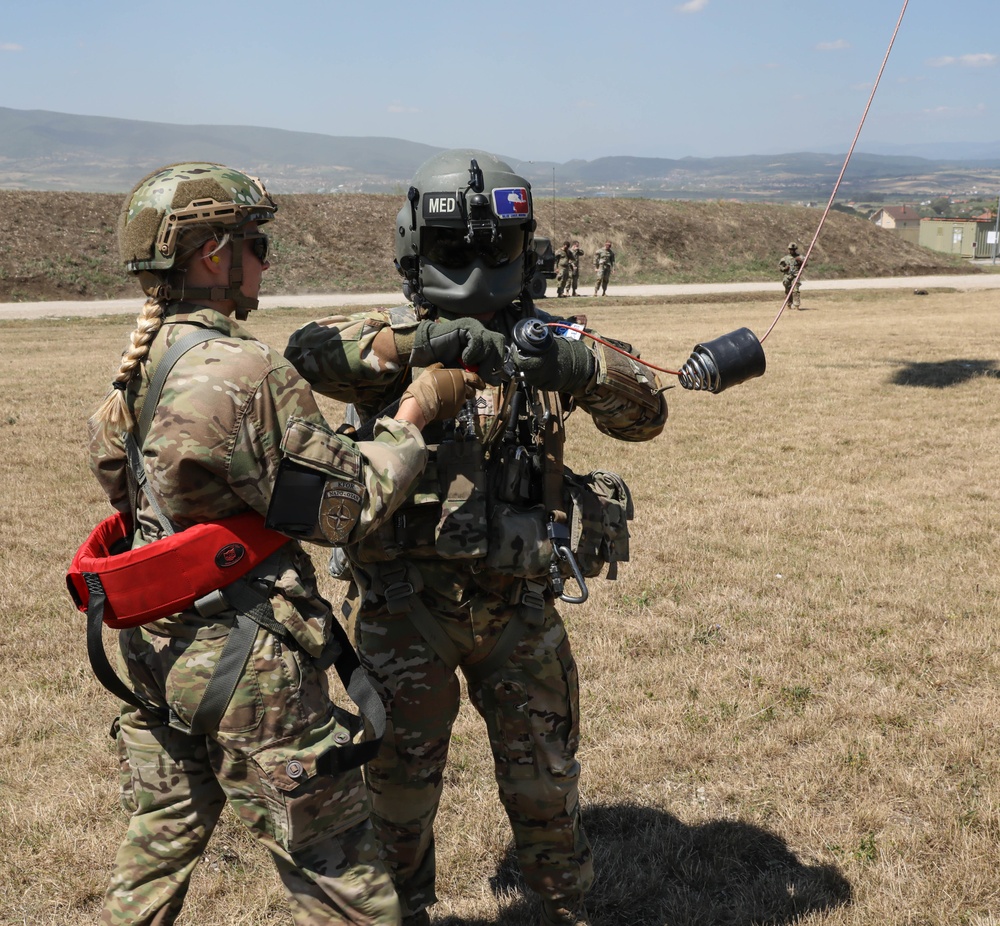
(215, 258)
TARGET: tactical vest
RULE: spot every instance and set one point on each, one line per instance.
(490, 490)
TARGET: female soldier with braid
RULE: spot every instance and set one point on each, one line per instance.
(231, 412)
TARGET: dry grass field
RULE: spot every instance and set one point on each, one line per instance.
(790, 696)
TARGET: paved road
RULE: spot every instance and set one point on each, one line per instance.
(114, 306)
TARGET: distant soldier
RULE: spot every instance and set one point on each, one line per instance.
(604, 263)
(576, 253)
(789, 267)
(564, 263)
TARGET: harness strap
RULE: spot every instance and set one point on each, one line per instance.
(253, 611)
(99, 659)
(433, 633)
(339, 652)
(226, 676)
(529, 613)
(133, 446)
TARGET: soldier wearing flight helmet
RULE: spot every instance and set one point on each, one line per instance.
(465, 578)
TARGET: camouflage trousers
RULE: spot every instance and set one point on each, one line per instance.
(603, 276)
(787, 281)
(262, 759)
(562, 280)
(531, 710)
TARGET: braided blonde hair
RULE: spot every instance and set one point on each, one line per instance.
(115, 410)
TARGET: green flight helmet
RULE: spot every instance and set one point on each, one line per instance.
(464, 235)
(211, 199)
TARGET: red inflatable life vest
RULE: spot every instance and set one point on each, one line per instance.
(170, 574)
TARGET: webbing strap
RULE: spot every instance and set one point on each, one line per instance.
(531, 605)
(433, 633)
(341, 655)
(99, 659)
(400, 589)
(167, 361)
(133, 445)
(226, 676)
(510, 636)
(253, 610)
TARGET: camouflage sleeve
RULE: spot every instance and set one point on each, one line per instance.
(624, 397)
(109, 464)
(338, 357)
(365, 481)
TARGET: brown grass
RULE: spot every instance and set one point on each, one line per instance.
(789, 696)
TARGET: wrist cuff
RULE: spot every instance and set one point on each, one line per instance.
(403, 341)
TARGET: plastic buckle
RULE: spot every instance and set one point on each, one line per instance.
(211, 604)
(532, 599)
(396, 595)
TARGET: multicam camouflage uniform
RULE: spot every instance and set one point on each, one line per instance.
(564, 269)
(230, 410)
(439, 562)
(604, 262)
(789, 266)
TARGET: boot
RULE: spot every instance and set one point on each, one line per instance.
(423, 918)
(555, 913)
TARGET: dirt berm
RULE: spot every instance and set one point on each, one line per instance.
(61, 246)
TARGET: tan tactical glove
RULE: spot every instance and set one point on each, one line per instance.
(442, 392)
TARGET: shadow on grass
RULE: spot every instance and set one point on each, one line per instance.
(944, 373)
(653, 870)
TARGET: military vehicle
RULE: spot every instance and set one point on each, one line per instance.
(545, 267)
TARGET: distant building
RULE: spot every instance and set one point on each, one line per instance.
(961, 237)
(903, 220)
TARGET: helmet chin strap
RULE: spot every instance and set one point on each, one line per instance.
(244, 304)
(232, 292)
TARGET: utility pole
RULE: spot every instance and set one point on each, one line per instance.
(554, 201)
(996, 231)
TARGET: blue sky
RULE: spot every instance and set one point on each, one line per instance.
(541, 81)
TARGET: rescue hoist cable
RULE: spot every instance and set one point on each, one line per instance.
(738, 356)
(843, 170)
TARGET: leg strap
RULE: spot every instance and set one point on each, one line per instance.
(529, 612)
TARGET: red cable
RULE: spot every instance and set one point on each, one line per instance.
(815, 237)
(594, 337)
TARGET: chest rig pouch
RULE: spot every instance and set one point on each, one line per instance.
(446, 516)
(494, 498)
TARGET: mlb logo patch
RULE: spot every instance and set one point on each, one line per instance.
(511, 202)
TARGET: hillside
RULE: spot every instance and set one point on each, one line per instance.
(56, 245)
(42, 150)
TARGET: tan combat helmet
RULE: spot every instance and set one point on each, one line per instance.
(212, 198)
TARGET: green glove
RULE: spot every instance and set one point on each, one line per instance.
(451, 341)
(567, 367)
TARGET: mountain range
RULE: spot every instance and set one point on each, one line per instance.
(42, 150)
